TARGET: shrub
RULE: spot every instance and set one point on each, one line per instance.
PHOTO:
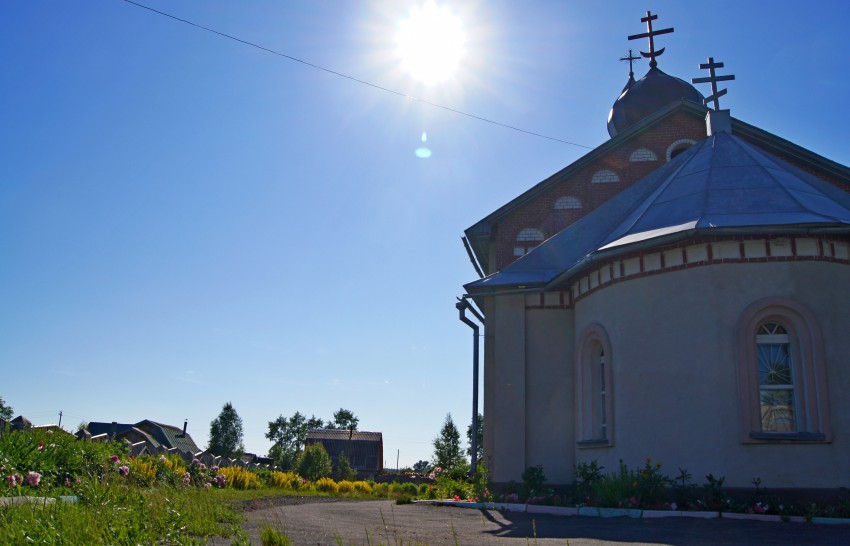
(239, 478)
(344, 470)
(327, 485)
(534, 478)
(363, 487)
(314, 463)
(345, 486)
(143, 471)
(285, 480)
(409, 489)
(269, 536)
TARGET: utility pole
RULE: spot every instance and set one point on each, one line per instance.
(60, 418)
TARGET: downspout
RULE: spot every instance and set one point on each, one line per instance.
(462, 305)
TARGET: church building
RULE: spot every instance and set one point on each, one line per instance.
(681, 292)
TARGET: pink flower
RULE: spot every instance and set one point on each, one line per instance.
(207, 486)
(12, 479)
(124, 471)
(67, 482)
(162, 458)
(187, 478)
(40, 446)
(202, 466)
(196, 461)
(33, 478)
(221, 479)
(114, 459)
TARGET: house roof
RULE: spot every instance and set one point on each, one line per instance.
(721, 185)
(343, 434)
(479, 234)
(159, 433)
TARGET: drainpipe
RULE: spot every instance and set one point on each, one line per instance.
(462, 305)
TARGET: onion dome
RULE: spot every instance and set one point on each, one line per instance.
(646, 96)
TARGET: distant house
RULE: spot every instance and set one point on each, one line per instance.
(365, 450)
(157, 437)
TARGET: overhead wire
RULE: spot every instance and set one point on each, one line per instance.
(352, 78)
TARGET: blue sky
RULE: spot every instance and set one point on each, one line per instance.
(186, 220)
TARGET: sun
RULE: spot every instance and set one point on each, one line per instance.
(431, 43)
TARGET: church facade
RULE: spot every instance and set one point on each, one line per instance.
(681, 292)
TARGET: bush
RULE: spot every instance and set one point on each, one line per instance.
(363, 487)
(239, 478)
(534, 478)
(409, 489)
(327, 485)
(345, 486)
(285, 480)
(314, 463)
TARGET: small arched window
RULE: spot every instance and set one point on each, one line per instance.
(527, 239)
(642, 154)
(777, 399)
(605, 176)
(594, 389)
(678, 147)
(567, 202)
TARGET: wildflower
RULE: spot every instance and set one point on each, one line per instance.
(214, 469)
(187, 478)
(221, 479)
(114, 459)
(202, 466)
(12, 479)
(40, 446)
(33, 478)
(124, 471)
(196, 461)
(207, 486)
(67, 482)
(162, 458)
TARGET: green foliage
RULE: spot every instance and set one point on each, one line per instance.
(314, 463)
(421, 467)
(343, 468)
(226, 433)
(269, 536)
(533, 477)
(479, 423)
(447, 452)
(6, 411)
(448, 487)
(289, 436)
(587, 476)
(343, 419)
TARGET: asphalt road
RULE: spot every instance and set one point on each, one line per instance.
(309, 521)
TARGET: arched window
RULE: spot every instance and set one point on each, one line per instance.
(678, 147)
(642, 154)
(605, 176)
(777, 399)
(567, 202)
(527, 239)
(781, 374)
(594, 385)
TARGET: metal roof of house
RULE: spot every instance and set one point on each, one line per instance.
(722, 184)
(343, 434)
(167, 435)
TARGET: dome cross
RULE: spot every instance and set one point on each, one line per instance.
(631, 58)
(651, 34)
(713, 79)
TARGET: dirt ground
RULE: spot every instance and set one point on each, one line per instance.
(320, 521)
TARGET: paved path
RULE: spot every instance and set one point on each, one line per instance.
(347, 522)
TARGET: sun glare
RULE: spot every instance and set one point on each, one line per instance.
(430, 43)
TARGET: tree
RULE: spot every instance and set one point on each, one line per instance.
(6, 411)
(479, 421)
(314, 463)
(343, 468)
(447, 451)
(344, 419)
(289, 436)
(421, 467)
(226, 433)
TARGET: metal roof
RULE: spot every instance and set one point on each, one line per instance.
(343, 434)
(720, 185)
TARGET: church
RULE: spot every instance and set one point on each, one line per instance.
(680, 292)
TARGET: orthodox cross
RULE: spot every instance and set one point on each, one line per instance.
(651, 34)
(631, 58)
(713, 79)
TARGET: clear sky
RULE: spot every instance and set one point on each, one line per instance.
(186, 220)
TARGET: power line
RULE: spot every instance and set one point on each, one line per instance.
(352, 78)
